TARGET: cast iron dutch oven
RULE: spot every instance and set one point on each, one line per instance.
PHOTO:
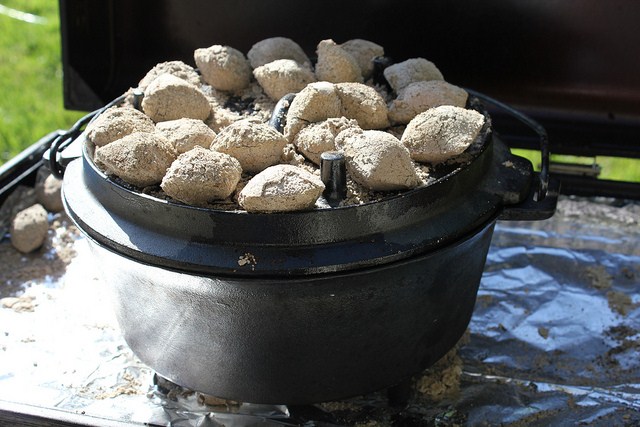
(306, 306)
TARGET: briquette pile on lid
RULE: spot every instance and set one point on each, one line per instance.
(202, 136)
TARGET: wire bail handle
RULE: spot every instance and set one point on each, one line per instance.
(543, 184)
(63, 139)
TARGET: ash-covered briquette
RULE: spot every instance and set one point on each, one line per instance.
(412, 70)
(255, 145)
(200, 176)
(170, 98)
(141, 159)
(335, 64)
(176, 68)
(281, 188)
(420, 96)
(364, 52)
(377, 160)
(49, 193)
(362, 103)
(323, 100)
(274, 48)
(283, 76)
(227, 107)
(116, 123)
(316, 138)
(315, 103)
(223, 67)
(29, 228)
(185, 134)
(441, 133)
(27, 213)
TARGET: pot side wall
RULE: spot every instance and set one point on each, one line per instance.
(298, 340)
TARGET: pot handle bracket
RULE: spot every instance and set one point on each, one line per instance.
(541, 201)
(533, 208)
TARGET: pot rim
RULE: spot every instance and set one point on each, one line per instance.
(451, 167)
(209, 241)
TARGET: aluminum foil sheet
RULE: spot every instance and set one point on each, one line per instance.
(554, 340)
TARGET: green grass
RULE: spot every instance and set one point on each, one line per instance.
(30, 77)
(612, 168)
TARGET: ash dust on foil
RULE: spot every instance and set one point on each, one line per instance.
(553, 340)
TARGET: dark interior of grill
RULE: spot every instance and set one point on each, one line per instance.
(568, 66)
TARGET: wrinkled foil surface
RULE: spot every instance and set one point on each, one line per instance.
(554, 340)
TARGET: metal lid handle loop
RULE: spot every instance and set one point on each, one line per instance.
(543, 183)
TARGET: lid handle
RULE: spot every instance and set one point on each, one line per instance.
(543, 177)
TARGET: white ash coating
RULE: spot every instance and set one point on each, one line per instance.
(115, 123)
(176, 68)
(404, 73)
(316, 102)
(283, 76)
(441, 133)
(345, 135)
(170, 98)
(185, 134)
(364, 104)
(220, 118)
(29, 228)
(223, 67)
(255, 145)
(281, 188)
(378, 161)
(48, 193)
(141, 159)
(335, 64)
(201, 175)
(316, 138)
(271, 49)
(364, 51)
(420, 96)
(291, 156)
(322, 100)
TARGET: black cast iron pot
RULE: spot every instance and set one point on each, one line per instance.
(306, 306)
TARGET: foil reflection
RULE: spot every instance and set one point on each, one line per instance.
(554, 340)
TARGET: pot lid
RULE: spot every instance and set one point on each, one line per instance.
(462, 199)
